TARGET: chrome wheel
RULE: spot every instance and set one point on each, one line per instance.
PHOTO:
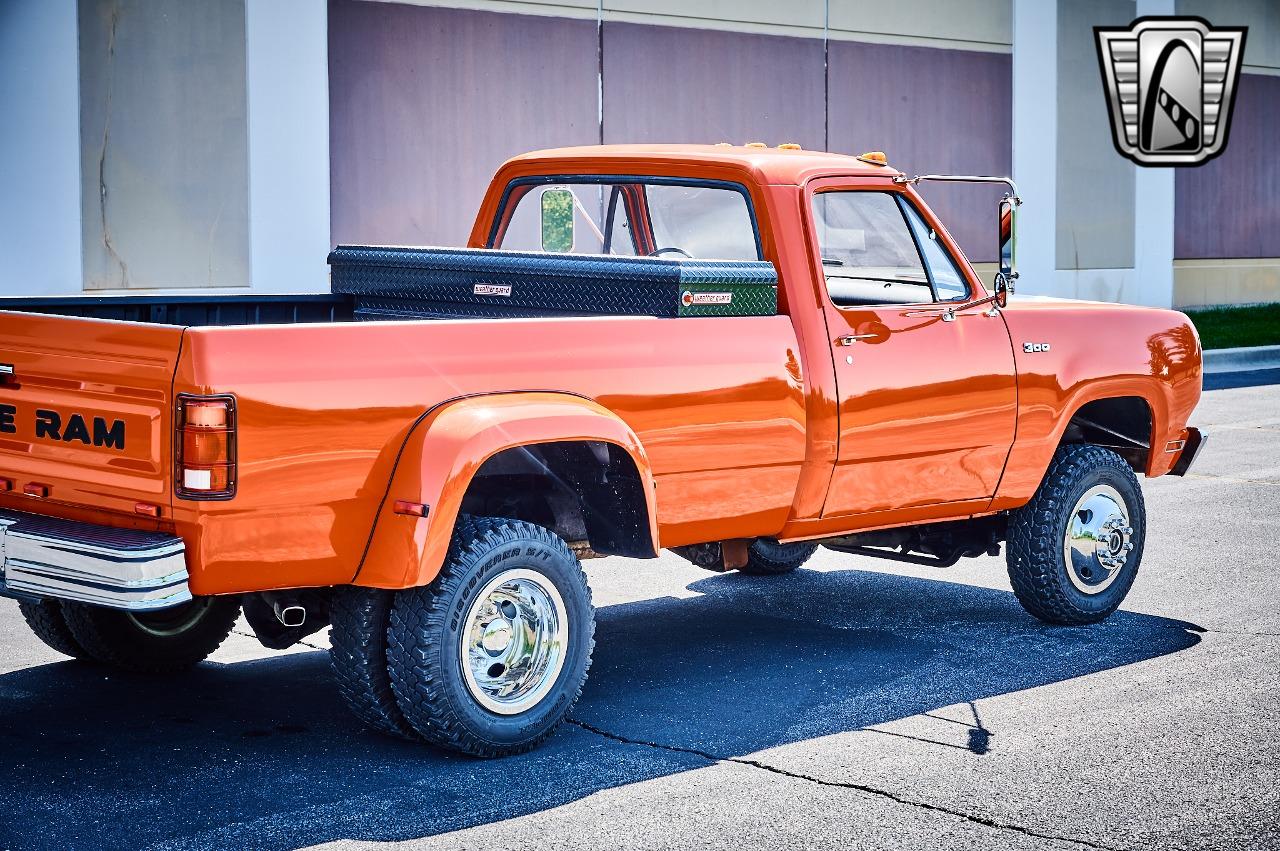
(513, 641)
(1099, 539)
(172, 621)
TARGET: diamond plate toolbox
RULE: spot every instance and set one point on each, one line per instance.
(409, 283)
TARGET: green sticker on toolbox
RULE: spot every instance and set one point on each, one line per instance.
(728, 300)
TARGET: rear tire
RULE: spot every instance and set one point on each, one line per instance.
(765, 556)
(1074, 549)
(153, 642)
(46, 621)
(490, 657)
(358, 653)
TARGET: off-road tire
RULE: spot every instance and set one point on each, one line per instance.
(155, 642)
(358, 655)
(46, 621)
(424, 639)
(765, 556)
(1037, 532)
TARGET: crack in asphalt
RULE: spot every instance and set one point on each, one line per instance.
(857, 787)
(1246, 632)
(300, 641)
(1234, 479)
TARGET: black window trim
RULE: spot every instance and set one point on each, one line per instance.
(905, 204)
(553, 179)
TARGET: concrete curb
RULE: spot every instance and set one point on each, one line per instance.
(1241, 359)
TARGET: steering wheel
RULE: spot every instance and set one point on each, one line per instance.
(658, 252)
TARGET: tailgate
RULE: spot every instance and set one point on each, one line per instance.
(87, 411)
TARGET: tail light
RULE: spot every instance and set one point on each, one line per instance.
(204, 447)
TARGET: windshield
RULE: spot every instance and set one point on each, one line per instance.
(632, 218)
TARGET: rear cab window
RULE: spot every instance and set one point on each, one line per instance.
(628, 216)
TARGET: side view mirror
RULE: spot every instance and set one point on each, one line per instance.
(1005, 278)
(557, 220)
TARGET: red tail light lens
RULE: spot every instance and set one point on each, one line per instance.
(205, 447)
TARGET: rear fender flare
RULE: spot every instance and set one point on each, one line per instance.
(444, 450)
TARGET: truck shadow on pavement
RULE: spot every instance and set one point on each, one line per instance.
(263, 755)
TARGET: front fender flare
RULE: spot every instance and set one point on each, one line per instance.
(444, 450)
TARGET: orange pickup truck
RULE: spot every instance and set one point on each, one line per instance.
(737, 353)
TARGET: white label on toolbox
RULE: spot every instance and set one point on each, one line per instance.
(491, 289)
(690, 298)
(197, 480)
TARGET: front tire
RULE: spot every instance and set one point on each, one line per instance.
(1074, 549)
(153, 642)
(493, 654)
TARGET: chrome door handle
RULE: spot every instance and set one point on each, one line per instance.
(850, 339)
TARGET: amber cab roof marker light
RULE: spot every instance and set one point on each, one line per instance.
(790, 146)
(874, 158)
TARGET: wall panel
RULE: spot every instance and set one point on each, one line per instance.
(164, 144)
(930, 110)
(671, 84)
(425, 103)
(1227, 207)
(1096, 191)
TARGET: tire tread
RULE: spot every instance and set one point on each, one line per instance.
(48, 623)
(358, 657)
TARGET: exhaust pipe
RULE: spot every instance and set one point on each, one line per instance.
(290, 614)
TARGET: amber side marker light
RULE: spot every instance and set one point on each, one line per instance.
(204, 447)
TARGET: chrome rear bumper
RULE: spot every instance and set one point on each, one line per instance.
(120, 568)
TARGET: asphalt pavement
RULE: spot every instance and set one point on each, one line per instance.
(855, 703)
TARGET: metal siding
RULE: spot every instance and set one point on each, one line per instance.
(671, 84)
(1227, 207)
(930, 110)
(425, 103)
(164, 144)
(1096, 194)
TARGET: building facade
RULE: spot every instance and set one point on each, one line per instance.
(222, 146)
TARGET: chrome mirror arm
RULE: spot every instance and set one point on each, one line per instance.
(964, 178)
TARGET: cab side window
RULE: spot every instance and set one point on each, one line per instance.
(876, 249)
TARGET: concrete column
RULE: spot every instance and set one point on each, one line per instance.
(40, 148)
(288, 89)
(1153, 221)
(1035, 148)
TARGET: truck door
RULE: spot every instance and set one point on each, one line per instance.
(927, 395)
